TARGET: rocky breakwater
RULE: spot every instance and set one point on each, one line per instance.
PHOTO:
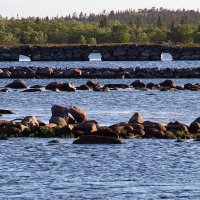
(72, 122)
(111, 73)
(92, 85)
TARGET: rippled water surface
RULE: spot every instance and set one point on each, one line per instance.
(139, 169)
(106, 108)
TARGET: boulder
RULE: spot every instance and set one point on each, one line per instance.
(194, 127)
(70, 87)
(53, 86)
(93, 84)
(77, 113)
(156, 125)
(10, 131)
(94, 139)
(30, 121)
(52, 142)
(17, 84)
(136, 118)
(154, 133)
(3, 90)
(87, 127)
(83, 87)
(58, 121)
(138, 84)
(168, 84)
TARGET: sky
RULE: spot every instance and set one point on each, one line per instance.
(42, 8)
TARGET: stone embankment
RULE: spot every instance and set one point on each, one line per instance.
(167, 85)
(111, 73)
(72, 121)
(126, 52)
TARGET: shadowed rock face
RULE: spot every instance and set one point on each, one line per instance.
(97, 140)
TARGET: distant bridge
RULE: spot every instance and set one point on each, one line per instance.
(125, 52)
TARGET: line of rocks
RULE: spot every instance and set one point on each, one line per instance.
(111, 73)
(72, 121)
(167, 85)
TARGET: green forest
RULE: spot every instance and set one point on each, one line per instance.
(144, 26)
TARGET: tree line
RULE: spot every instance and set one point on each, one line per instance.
(152, 26)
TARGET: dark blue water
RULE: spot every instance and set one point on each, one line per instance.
(139, 169)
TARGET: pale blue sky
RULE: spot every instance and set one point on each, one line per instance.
(63, 7)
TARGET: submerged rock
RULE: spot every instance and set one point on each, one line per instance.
(94, 139)
(3, 111)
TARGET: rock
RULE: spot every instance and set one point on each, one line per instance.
(77, 113)
(179, 140)
(53, 86)
(168, 84)
(87, 127)
(17, 84)
(121, 128)
(178, 126)
(156, 125)
(93, 84)
(94, 139)
(58, 121)
(30, 121)
(122, 86)
(194, 127)
(70, 87)
(3, 111)
(137, 126)
(105, 131)
(154, 133)
(72, 73)
(197, 120)
(83, 87)
(10, 131)
(138, 84)
(33, 90)
(36, 86)
(45, 72)
(150, 85)
(3, 90)
(54, 142)
(136, 118)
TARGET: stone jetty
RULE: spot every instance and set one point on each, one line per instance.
(73, 122)
(101, 73)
